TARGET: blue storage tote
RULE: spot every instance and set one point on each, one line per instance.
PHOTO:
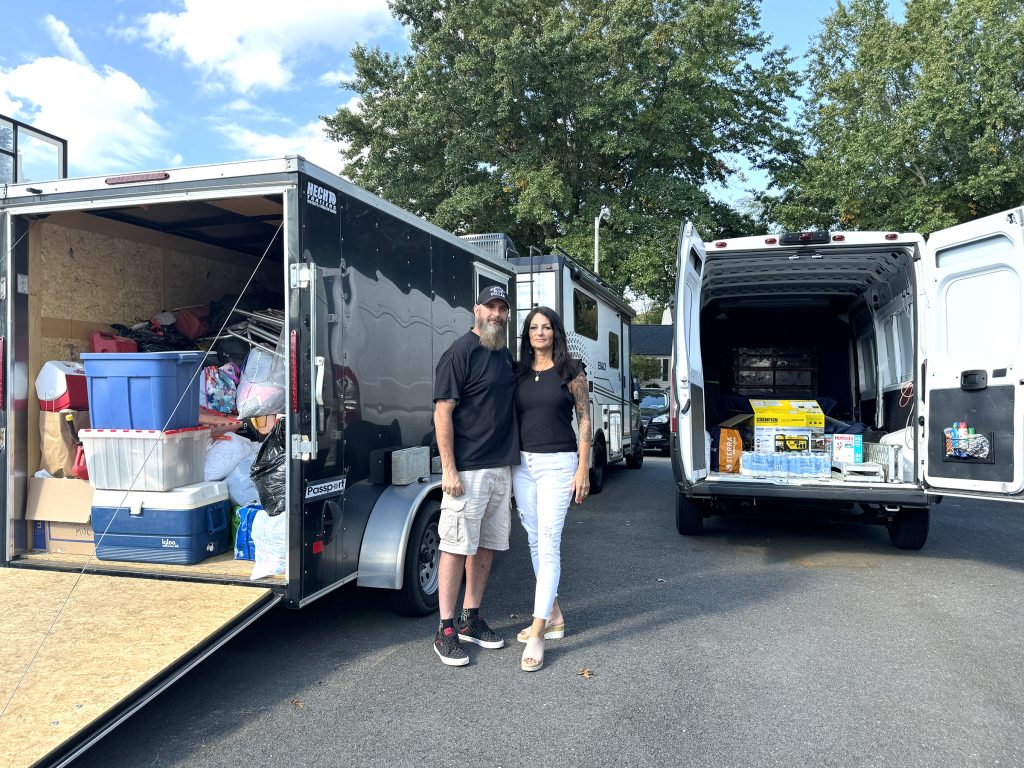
(179, 527)
(143, 390)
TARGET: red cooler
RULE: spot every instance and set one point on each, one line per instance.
(61, 385)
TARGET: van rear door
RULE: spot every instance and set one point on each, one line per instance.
(974, 372)
(687, 367)
(81, 653)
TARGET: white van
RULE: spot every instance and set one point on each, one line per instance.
(916, 345)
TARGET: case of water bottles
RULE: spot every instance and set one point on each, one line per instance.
(797, 466)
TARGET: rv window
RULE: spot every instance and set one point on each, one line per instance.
(613, 350)
(584, 315)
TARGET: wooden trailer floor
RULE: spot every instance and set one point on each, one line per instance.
(222, 567)
(74, 647)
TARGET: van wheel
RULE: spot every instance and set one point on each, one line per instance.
(635, 460)
(418, 595)
(597, 472)
(689, 515)
(910, 528)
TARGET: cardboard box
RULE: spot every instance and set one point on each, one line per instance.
(788, 426)
(59, 512)
(846, 448)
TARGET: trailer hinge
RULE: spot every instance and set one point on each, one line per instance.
(3, 289)
(3, 439)
(301, 274)
(302, 447)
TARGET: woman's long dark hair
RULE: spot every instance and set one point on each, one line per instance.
(559, 349)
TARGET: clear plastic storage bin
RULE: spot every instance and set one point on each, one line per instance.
(145, 459)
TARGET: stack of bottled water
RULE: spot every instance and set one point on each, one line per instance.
(792, 465)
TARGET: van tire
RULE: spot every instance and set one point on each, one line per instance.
(635, 460)
(910, 528)
(600, 468)
(418, 595)
(689, 515)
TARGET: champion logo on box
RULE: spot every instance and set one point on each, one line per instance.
(321, 197)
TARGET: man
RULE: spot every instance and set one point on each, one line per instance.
(478, 440)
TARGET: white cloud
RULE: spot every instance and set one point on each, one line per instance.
(248, 45)
(62, 38)
(103, 114)
(337, 77)
(308, 140)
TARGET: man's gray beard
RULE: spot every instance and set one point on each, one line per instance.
(492, 335)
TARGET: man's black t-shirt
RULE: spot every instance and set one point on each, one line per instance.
(483, 382)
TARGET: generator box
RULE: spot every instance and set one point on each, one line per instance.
(788, 426)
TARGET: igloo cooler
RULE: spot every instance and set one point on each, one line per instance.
(177, 527)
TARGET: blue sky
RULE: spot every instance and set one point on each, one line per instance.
(144, 84)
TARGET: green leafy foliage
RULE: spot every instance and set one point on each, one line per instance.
(913, 126)
(645, 368)
(527, 116)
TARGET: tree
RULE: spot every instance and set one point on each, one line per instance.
(916, 125)
(527, 116)
(645, 368)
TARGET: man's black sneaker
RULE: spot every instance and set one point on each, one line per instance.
(448, 648)
(475, 630)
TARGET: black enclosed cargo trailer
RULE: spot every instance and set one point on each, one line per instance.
(371, 297)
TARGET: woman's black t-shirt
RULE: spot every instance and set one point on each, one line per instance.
(544, 405)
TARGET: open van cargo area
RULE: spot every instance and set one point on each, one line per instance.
(123, 265)
(800, 324)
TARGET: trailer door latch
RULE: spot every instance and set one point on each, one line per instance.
(301, 274)
(302, 447)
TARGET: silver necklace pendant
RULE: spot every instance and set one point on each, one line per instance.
(537, 376)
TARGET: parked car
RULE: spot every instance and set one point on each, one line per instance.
(654, 419)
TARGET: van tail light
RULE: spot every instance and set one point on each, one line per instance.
(293, 352)
(891, 236)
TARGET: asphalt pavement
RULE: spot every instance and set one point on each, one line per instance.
(759, 643)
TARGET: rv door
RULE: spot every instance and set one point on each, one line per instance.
(687, 368)
(974, 372)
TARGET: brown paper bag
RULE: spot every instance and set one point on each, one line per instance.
(56, 445)
(730, 448)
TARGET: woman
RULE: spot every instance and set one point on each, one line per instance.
(554, 463)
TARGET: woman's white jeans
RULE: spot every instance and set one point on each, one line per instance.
(543, 488)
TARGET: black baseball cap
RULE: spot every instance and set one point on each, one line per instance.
(493, 292)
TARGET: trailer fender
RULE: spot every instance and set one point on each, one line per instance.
(382, 553)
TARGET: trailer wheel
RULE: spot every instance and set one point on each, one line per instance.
(597, 472)
(689, 515)
(910, 528)
(418, 595)
(635, 460)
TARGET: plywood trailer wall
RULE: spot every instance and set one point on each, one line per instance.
(86, 272)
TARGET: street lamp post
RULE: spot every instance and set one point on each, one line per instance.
(605, 215)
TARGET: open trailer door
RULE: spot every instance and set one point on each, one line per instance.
(81, 653)
(687, 366)
(974, 373)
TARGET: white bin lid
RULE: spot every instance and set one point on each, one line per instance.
(186, 497)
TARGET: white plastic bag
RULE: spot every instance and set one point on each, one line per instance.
(225, 453)
(261, 388)
(241, 488)
(270, 544)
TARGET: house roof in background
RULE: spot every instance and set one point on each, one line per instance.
(652, 340)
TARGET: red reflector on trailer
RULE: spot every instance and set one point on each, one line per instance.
(720, 244)
(771, 240)
(838, 238)
(891, 236)
(294, 366)
(131, 178)
(318, 547)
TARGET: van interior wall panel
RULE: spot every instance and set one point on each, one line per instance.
(111, 637)
(988, 411)
(897, 410)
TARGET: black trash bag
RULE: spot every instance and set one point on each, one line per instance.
(163, 338)
(268, 471)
